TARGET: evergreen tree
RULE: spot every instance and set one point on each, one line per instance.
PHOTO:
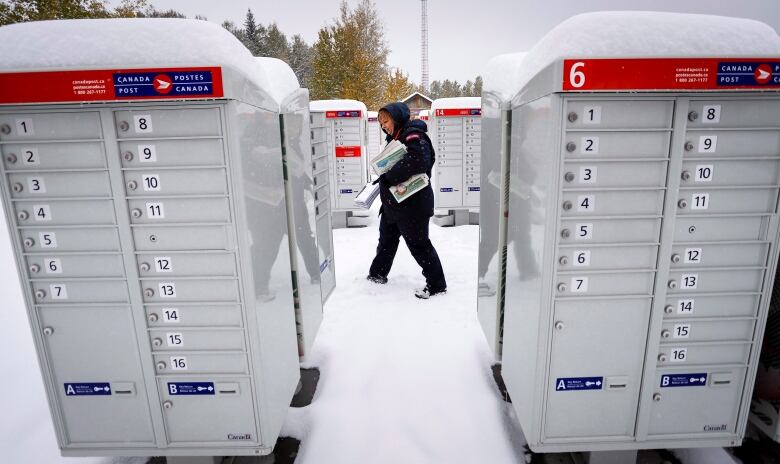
(478, 86)
(254, 35)
(276, 45)
(300, 60)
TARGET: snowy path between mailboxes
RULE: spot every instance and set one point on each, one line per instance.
(403, 379)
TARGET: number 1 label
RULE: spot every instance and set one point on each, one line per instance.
(592, 115)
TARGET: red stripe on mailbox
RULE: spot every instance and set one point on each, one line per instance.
(344, 114)
(348, 152)
(459, 112)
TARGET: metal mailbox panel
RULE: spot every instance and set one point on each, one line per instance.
(703, 353)
(51, 126)
(711, 306)
(146, 123)
(76, 354)
(70, 239)
(353, 129)
(64, 212)
(715, 173)
(158, 210)
(186, 264)
(622, 202)
(172, 316)
(321, 178)
(318, 134)
(732, 143)
(448, 128)
(615, 174)
(584, 347)
(616, 145)
(317, 119)
(204, 237)
(61, 184)
(79, 291)
(454, 135)
(223, 416)
(586, 230)
(733, 113)
(592, 284)
(172, 153)
(449, 121)
(697, 229)
(691, 330)
(195, 339)
(318, 164)
(699, 281)
(169, 182)
(720, 254)
(190, 290)
(607, 257)
(704, 410)
(200, 363)
(708, 201)
(623, 114)
(58, 265)
(64, 155)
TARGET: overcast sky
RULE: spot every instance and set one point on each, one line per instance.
(463, 34)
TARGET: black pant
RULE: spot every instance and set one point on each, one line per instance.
(415, 234)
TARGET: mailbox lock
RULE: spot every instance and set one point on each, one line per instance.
(157, 342)
(5, 129)
(132, 185)
(23, 215)
(561, 287)
(675, 258)
(34, 268)
(691, 229)
(137, 213)
(563, 260)
(48, 331)
(682, 204)
(572, 116)
(686, 175)
(688, 146)
(153, 317)
(167, 404)
(566, 205)
(28, 242)
(665, 334)
(128, 156)
(40, 294)
(692, 116)
(17, 187)
(668, 309)
(569, 176)
(161, 365)
(656, 397)
(152, 238)
(565, 233)
(148, 293)
(662, 357)
(124, 126)
(559, 325)
(145, 267)
(11, 158)
(571, 146)
(672, 284)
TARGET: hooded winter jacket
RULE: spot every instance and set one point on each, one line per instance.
(419, 159)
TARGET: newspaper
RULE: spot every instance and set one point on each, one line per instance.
(390, 155)
(367, 195)
(409, 187)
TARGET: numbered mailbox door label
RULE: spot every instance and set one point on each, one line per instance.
(174, 339)
(681, 331)
(47, 239)
(711, 114)
(588, 174)
(167, 289)
(36, 185)
(581, 258)
(592, 115)
(689, 281)
(700, 201)
(170, 315)
(708, 143)
(58, 291)
(163, 264)
(42, 212)
(704, 173)
(589, 145)
(30, 156)
(24, 127)
(178, 363)
(52, 265)
(685, 306)
(155, 210)
(147, 153)
(586, 203)
(151, 182)
(678, 354)
(583, 231)
(142, 123)
(692, 255)
(579, 284)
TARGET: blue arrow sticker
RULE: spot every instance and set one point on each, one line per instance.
(683, 380)
(579, 383)
(473, 189)
(87, 389)
(191, 388)
(446, 189)
(345, 191)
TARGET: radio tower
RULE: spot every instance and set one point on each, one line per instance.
(424, 53)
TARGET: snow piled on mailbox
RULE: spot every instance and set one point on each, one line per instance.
(502, 74)
(647, 34)
(137, 43)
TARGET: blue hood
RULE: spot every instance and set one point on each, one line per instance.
(399, 112)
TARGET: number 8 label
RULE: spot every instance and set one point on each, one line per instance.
(143, 123)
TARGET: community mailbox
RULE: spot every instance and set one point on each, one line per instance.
(156, 231)
(643, 200)
(374, 135)
(338, 128)
(456, 125)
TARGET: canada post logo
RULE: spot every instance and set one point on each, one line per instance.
(163, 84)
(748, 74)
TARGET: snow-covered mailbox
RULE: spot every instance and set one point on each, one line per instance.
(374, 135)
(424, 115)
(338, 131)
(456, 125)
(155, 233)
(643, 190)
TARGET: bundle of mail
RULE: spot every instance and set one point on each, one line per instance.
(366, 197)
(383, 162)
